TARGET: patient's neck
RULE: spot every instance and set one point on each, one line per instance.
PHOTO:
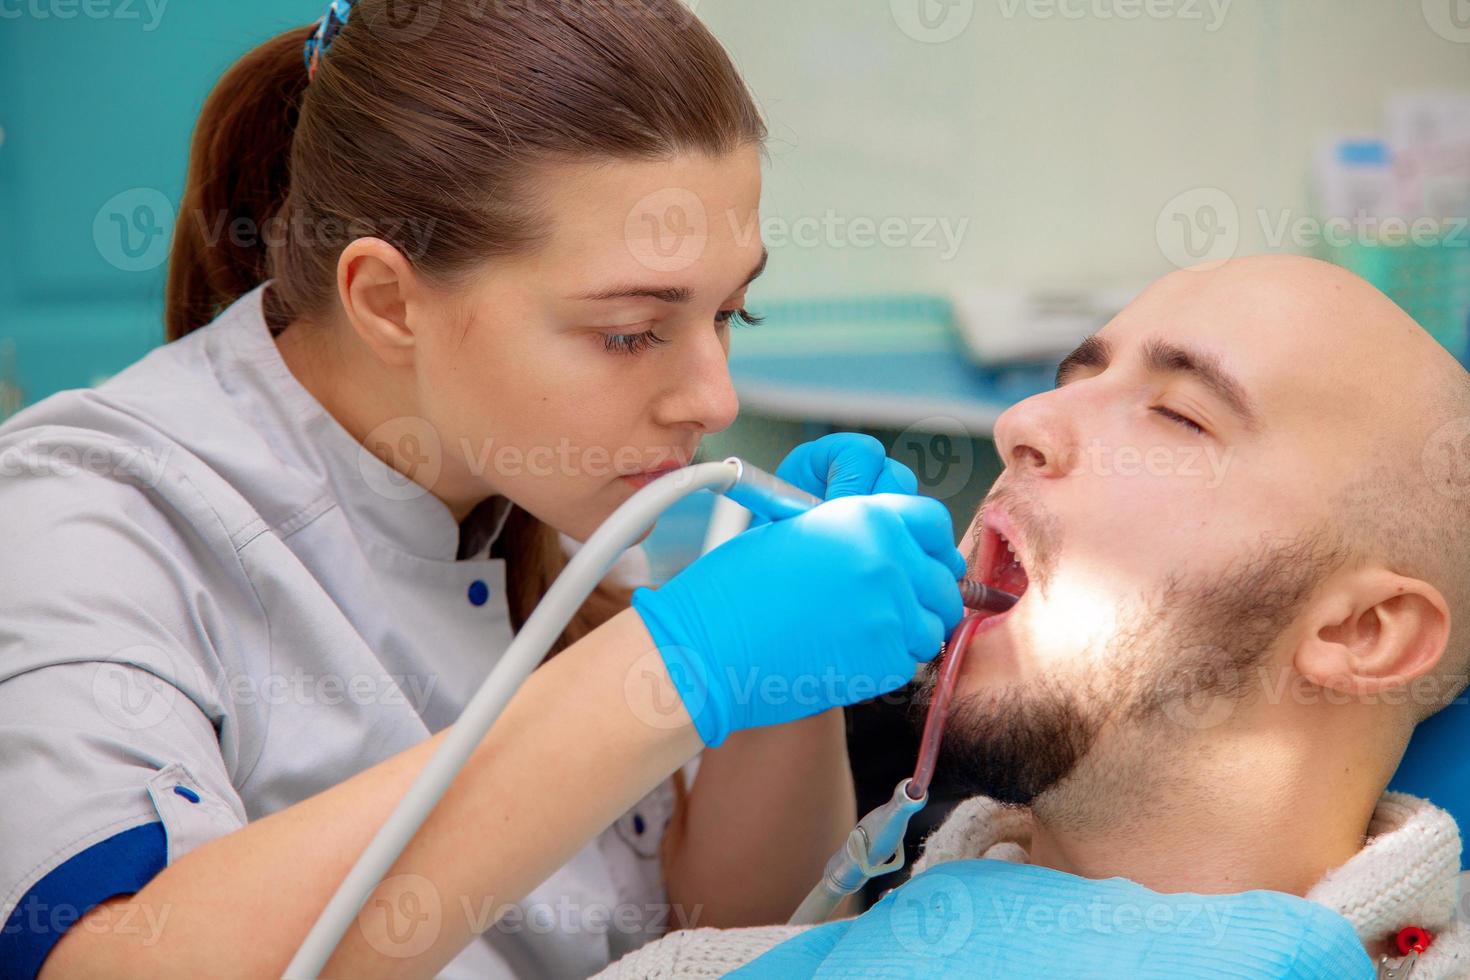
(1258, 803)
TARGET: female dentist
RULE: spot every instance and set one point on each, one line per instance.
(444, 293)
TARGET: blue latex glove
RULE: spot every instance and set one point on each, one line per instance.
(998, 919)
(843, 464)
(828, 608)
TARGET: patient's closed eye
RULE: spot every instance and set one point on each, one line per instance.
(1177, 418)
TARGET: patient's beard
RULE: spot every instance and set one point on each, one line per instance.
(1179, 657)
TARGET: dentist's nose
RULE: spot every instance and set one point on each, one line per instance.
(703, 398)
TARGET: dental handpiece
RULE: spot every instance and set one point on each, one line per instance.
(984, 598)
(775, 499)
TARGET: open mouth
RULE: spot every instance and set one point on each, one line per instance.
(999, 566)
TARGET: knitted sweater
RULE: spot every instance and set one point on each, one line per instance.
(1408, 872)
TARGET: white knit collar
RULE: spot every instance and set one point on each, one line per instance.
(1407, 873)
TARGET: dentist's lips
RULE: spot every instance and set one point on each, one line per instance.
(646, 477)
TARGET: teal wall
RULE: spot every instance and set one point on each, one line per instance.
(99, 102)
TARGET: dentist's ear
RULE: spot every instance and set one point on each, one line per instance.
(377, 287)
(1370, 630)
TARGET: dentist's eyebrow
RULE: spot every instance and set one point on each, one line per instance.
(1164, 357)
(667, 294)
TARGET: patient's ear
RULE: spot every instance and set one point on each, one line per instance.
(1370, 630)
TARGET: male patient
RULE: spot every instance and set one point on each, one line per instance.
(1239, 522)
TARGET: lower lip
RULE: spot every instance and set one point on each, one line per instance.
(641, 480)
(992, 620)
(997, 657)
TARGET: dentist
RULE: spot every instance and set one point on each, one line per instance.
(445, 291)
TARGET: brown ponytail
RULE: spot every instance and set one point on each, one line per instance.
(237, 181)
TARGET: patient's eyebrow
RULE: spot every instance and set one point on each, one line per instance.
(1165, 357)
(1091, 353)
(1168, 358)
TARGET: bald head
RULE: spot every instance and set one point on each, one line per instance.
(1329, 341)
(1380, 406)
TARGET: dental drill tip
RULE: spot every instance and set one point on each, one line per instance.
(983, 598)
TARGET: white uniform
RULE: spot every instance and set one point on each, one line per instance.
(215, 603)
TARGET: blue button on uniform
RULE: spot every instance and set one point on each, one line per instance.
(187, 793)
(479, 593)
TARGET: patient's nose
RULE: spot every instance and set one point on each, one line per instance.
(1035, 437)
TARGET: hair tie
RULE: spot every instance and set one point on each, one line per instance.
(320, 41)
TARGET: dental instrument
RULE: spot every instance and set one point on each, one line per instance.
(881, 832)
(781, 500)
(984, 598)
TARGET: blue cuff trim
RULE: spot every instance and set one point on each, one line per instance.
(120, 865)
